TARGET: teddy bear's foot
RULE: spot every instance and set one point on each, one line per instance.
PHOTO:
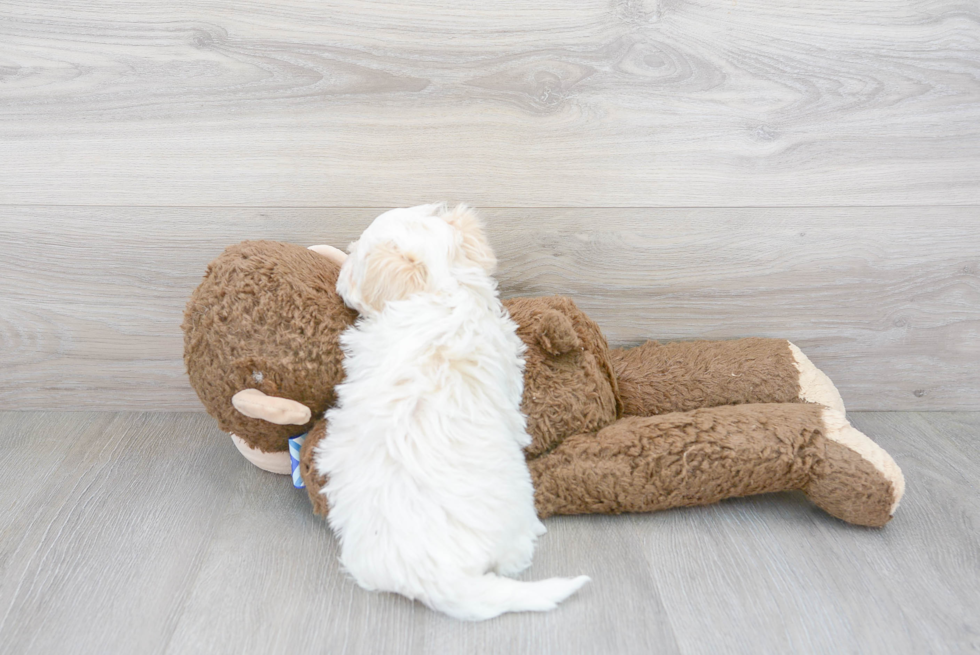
(854, 479)
(815, 386)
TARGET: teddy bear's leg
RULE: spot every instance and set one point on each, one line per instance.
(313, 480)
(657, 378)
(643, 464)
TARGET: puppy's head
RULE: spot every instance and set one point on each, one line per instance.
(424, 249)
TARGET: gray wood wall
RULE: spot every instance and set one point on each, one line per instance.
(683, 169)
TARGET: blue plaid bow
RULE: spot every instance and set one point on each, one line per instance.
(295, 444)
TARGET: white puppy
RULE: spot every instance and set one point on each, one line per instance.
(428, 489)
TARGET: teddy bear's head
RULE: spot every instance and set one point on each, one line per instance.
(569, 385)
(266, 316)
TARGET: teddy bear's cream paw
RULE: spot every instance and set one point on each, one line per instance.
(815, 386)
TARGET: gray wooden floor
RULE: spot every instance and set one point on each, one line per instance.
(148, 533)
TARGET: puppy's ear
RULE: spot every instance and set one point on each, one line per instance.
(390, 274)
(476, 248)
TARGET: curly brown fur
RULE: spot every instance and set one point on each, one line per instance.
(679, 459)
(657, 378)
(849, 487)
(569, 386)
(266, 316)
(642, 464)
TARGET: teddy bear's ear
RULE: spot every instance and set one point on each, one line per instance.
(475, 245)
(336, 255)
(555, 332)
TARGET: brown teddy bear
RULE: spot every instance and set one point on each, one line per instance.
(614, 430)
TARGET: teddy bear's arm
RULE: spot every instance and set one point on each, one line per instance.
(644, 464)
(657, 378)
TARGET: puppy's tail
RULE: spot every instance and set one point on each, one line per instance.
(487, 596)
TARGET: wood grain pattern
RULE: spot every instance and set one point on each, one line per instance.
(124, 533)
(885, 300)
(356, 103)
(99, 543)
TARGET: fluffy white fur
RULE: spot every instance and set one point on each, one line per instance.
(429, 492)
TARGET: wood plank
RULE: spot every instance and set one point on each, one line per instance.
(885, 300)
(147, 532)
(357, 103)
